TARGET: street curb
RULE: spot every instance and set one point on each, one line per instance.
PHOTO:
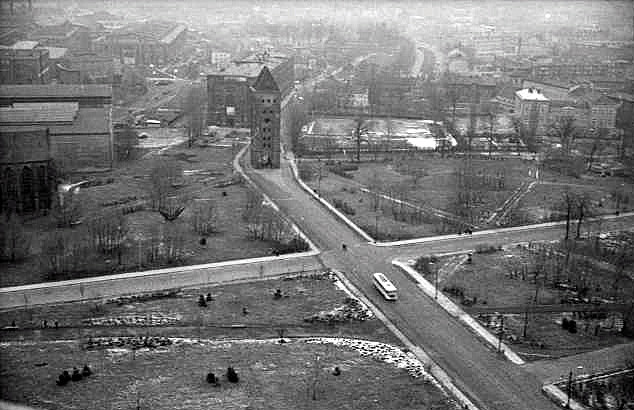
(454, 310)
(269, 201)
(498, 231)
(325, 203)
(555, 394)
(436, 371)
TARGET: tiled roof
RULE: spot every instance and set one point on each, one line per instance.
(30, 114)
(55, 90)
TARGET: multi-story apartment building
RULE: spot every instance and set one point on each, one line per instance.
(532, 108)
(153, 42)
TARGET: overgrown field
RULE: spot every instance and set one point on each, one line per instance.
(555, 298)
(173, 207)
(432, 195)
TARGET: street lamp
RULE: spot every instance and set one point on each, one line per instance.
(569, 389)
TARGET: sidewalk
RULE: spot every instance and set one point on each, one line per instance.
(455, 311)
(598, 361)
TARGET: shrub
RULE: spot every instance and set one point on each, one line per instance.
(565, 324)
(487, 248)
(232, 376)
(423, 264)
(572, 326)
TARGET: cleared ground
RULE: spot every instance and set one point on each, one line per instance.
(272, 375)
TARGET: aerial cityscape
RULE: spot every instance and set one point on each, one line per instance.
(277, 204)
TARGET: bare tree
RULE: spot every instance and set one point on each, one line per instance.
(164, 176)
(598, 145)
(566, 131)
(15, 244)
(107, 233)
(60, 252)
(204, 217)
(296, 117)
(174, 244)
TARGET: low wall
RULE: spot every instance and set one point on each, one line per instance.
(157, 280)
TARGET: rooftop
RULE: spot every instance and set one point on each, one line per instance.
(530, 94)
(24, 45)
(79, 121)
(30, 114)
(55, 53)
(55, 90)
(252, 65)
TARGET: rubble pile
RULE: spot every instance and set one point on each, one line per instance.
(380, 351)
(352, 309)
(153, 319)
(144, 297)
(139, 342)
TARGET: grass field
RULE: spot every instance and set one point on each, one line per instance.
(272, 376)
(206, 170)
(430, 182)
(209, 339)
(424, 180)
(302, 297)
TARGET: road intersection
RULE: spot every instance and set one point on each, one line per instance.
(476, 369)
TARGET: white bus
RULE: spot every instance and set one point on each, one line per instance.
(383, 285)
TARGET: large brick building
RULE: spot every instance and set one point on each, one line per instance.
(532, 108)
(25, 62)
(76, 117)
(153, 42)
(265, 121)
(26, 178)
(228, 90)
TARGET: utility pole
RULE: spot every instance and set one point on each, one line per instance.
(500, 333)
(569, 389)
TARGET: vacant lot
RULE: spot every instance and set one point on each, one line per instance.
(203, 185)
(439, 188)
(512, 281)
(447, 195)
(272, 376)
(209, 339)
(180, 314)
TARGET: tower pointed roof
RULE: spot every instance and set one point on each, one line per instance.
(265, 81)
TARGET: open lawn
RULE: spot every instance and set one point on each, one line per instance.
(205, 176)
(375, 372)
(272, 376)
(302, 297)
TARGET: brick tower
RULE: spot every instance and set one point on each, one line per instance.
(265, 121)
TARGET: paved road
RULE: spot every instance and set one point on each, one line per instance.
(490, 381)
